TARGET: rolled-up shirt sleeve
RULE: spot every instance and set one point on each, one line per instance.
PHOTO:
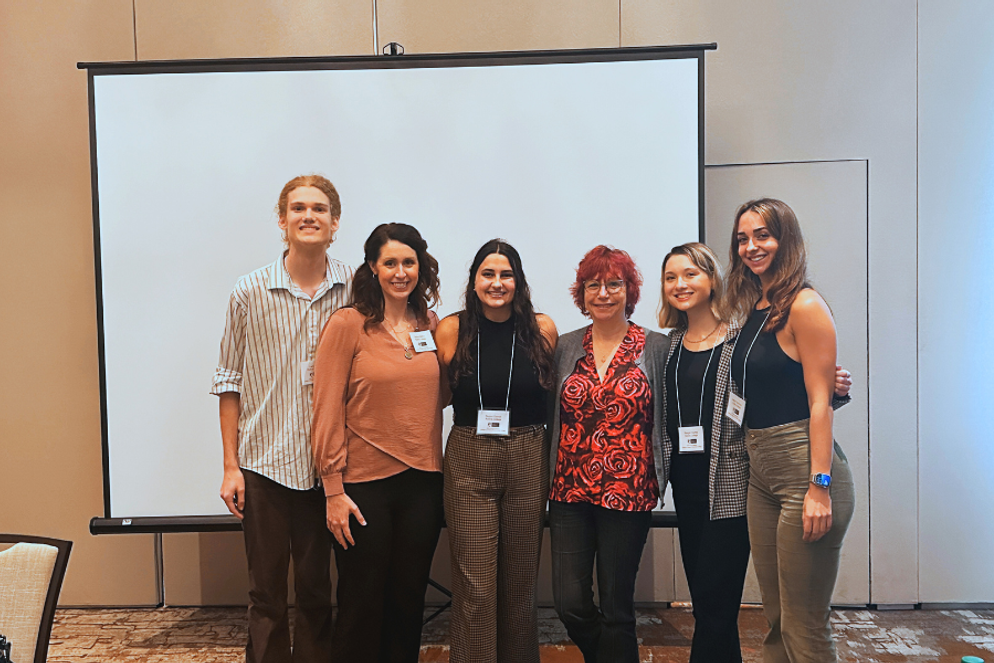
(332, 371)
(230, 363)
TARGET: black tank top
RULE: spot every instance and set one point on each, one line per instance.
(775, 392)
(689, 473)
(528, 400)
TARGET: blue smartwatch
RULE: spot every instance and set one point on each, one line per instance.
(823, 480)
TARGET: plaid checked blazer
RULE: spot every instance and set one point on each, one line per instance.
(728, 475)
(569, 350)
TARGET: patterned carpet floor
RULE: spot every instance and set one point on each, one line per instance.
(215, 635)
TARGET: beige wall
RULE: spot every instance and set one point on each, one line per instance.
(49, 395)
(790, 82)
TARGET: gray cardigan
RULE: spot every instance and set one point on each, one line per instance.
(569, 350)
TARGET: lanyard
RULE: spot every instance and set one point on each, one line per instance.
(745, 362)
(704, 381)
(510, 372)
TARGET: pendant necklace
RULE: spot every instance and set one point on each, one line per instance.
(407, 327)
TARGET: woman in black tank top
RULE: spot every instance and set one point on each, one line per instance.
(800, 492)
(497, 356)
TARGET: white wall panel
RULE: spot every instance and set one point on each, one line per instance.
(955, 301)
(830, 201)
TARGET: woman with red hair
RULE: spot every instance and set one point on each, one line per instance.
(606, 455)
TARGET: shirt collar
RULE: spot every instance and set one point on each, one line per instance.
(279, 277)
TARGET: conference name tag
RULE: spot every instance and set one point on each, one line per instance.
(422, 341)
(736, 408)
(493, 422)
(307, 372)
(691, 439)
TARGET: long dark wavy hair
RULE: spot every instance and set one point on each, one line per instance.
(789, 266)
(367, 296)
(529, 335)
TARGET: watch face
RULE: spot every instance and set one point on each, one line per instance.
(822, 480)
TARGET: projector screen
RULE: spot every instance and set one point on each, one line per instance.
(555, 152)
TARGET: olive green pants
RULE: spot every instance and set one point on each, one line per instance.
(796, 579)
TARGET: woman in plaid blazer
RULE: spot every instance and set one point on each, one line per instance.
(710, 478)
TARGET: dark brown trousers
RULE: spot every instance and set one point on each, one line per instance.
(281, 523)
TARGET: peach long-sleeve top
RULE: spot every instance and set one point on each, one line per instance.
(376, 413)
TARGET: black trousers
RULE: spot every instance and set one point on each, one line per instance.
(715, 557)
(584, 536)
(383, 577)
(281, 522)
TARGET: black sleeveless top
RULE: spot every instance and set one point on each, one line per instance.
(689, 473)
(529, 400)
(775, 392)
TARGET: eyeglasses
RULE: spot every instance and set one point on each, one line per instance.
(613, 287)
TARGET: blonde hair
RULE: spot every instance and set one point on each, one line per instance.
(319, 182)
(706, 261)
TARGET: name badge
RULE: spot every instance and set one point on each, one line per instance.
(691, 439)
(307, 372)
(422, 341)
(493, 422)
(736, 408)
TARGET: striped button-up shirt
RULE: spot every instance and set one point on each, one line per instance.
(272, 330)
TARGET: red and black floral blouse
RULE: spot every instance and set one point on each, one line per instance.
(605, 445)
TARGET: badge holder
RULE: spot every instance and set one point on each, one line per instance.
(691, 439)
(736, 408)
(493, 422)
(422, 341)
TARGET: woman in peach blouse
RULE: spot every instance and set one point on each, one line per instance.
(378, 446)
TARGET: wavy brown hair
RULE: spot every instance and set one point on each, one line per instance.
(705, 260)
(529, 335)
(367, 296)
(789, 266)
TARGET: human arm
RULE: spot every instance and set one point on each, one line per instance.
(446, 340)
(227, 386)
(233, 483)
(332, 371)
(548, 329)
(446, 333)
(813, 332)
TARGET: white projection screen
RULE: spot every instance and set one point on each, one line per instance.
(554, 151)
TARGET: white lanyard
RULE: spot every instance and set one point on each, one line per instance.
(507, 400)
(704, 381)
(745, 362)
